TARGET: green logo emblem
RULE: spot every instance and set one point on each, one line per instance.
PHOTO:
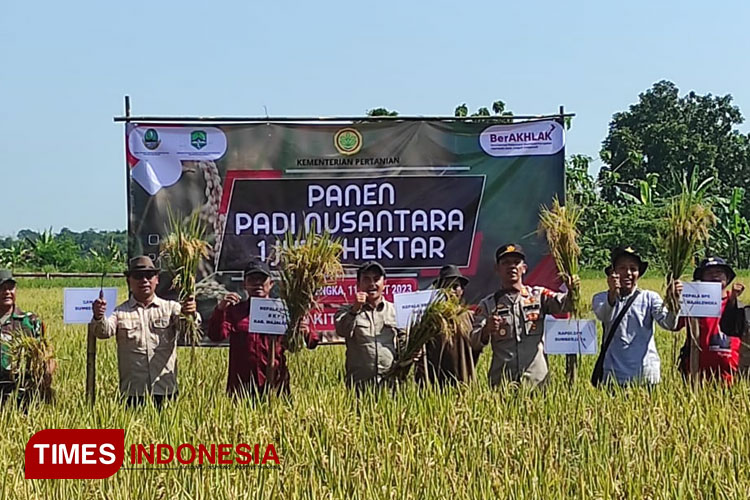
(151, 139)
(198, 139)
(348, 141)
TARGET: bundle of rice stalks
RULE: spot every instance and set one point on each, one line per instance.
(688, 221)
(444, 316)
(31, 364)
(306, 264)
(560, 225)
(182, 250)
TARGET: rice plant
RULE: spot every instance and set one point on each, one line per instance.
(569, 441)
(183, 249)
(306, 264)
(688, 221)
(32, 362)
(445, 316)
(560, 226)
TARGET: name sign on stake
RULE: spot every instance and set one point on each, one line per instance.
(569, 336)
(77, 303)
(267, 316)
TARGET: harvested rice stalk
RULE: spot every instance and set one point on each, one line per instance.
(560, 225)
(306, 264)
(32, 363)
(445, 316)
(183, 249)
(688, 221)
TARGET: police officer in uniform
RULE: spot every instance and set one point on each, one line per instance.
(512, 320)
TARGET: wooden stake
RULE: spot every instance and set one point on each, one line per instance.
(91, 368)
(271, 370)
(694, 333)
(571, 363)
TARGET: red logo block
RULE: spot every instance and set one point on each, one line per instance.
(74, 453)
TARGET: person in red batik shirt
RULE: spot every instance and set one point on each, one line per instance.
(249, 352)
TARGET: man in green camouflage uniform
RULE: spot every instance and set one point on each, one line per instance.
(13, 321)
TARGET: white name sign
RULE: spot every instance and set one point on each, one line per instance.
(701, 299)
(568, 336)
(267, 316)
(77, 303)
(409, 306)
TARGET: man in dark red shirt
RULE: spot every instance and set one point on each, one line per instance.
(250, 372)
(718, 338)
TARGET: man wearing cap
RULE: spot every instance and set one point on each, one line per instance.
(443, 361)
(14, 321)
(250, 352)
(718, 338)
(512, 319)
(146, 328)
(369, 328)
(630, 356)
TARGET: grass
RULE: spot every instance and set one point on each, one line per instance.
(471, 442)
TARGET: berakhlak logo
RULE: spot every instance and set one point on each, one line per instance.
(74, 453)
(198, 139)
(348, 141)
(523, 139)
(151, 139)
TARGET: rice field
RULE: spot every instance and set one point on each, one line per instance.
(470, 442)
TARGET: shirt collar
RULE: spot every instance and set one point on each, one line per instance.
(135, 304)
(16, 313)
(378, 307)
(626, 297)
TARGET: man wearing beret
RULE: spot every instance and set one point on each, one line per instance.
(512, 319)
(146, 328)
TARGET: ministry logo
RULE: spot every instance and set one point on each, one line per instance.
(198, 139)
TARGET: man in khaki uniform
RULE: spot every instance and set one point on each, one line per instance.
(369, 328)
(146, 328)
(512, 319)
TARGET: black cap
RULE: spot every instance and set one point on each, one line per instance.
(714, 262)
(509, 249)
(630, 252)
(6, 276)
(256, 266)
(450, 273)
(371, 264)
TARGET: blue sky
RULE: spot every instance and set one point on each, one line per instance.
(67, 65)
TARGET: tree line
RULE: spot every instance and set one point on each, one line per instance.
(64, 251)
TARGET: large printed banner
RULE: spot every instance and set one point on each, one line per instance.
(412, 195)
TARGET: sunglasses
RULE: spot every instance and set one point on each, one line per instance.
(139, 275)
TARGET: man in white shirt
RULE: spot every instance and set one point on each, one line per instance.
(631, 356)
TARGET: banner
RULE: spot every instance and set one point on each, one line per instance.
(413, 195)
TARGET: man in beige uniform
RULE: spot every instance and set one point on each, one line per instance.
(146, 328)
(513, 320)
(369, 328)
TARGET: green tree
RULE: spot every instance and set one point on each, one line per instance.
(381, 112)
(664, 134)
